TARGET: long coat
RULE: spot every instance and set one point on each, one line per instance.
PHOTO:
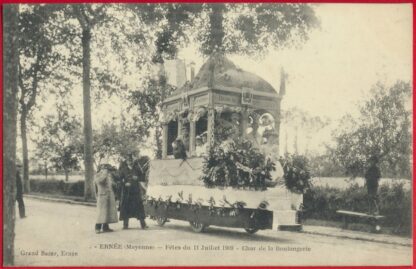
(106, 202)
(131, 197)
(372, 177)
(19, 186)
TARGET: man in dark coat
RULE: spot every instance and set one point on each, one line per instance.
(131, 201)
(372, 178)
(19, 192)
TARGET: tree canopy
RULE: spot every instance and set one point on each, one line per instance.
(382, 131)
(58, 140)
(253, 29)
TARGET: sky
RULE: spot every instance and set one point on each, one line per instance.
(356, 46)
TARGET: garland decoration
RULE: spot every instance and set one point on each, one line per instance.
(296, 173)
(236, 163)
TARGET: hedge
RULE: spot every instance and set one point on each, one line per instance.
(57, 187)
(395, 203)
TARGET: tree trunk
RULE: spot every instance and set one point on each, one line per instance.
(46, 171)
(10, 76)
(216, 19)
(66, 175)
(162, 83)
(88, 153)
(23, 130)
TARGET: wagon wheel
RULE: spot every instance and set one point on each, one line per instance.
(161, 220)
(251, 230)
(197, 226)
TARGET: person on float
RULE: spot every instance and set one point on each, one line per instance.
(179, 150)
(200, 148)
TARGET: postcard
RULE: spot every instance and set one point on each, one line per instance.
(207, 134)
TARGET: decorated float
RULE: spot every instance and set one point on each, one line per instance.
(227, 121)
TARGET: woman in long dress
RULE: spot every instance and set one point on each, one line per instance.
(106, 202)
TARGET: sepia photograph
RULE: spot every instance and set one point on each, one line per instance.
(207, 134)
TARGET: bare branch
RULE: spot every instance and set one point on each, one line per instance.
(81, 16)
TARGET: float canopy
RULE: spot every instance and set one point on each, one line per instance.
(221, 85)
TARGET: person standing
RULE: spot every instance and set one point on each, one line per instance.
(372, 178)
(19, 192)
(106, 202)
(200, 148)
(131, 202)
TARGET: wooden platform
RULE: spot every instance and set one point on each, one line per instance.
(373, 220)
(359, 214)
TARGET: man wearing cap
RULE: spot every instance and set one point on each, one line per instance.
(131, 197)
(19, 191)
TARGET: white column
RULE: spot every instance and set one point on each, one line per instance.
(180, 125)
(192, 136)
(164, 141)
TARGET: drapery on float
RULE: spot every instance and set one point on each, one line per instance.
(220, 154)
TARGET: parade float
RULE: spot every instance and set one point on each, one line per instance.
(228, 123)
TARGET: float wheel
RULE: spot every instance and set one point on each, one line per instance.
(251, 230)
(197, 226)
(161, 220)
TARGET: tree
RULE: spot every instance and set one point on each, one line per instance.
(38, 61)
(114, 141)
(104, 143)
(105, 31)
(43, 156)
(253, 29)
(148, 100)
(381, 132)
(248, 29)
(172, 22)
(295, 118)
(312, 126)
(10, 88)
(58, 137)
(88, 17)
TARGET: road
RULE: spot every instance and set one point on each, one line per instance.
(56, 234)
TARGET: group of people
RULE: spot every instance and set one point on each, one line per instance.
(127, 184)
